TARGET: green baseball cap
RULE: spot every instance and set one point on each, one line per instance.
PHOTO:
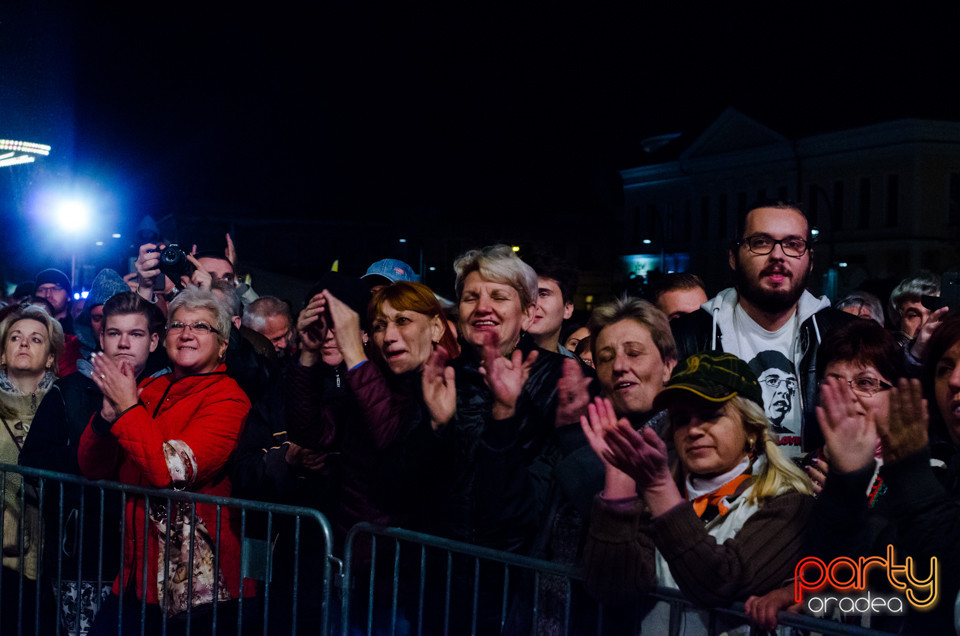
(712, 376)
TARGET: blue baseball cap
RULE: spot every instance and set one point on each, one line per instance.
(393, 270)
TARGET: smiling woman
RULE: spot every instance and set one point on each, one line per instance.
(727, 524)
(175, 430)
(633, 351)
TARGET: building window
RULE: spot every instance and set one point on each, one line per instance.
(836, 219)
(893, 200)
(953, 212)
(864, 222)
(722, 216)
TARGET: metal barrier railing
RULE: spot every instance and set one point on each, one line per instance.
(284, 552)
(392, 581)
(434, 606)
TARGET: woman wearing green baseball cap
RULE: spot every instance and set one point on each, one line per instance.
(727, 522)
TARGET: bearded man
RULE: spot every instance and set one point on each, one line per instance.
(769, 308)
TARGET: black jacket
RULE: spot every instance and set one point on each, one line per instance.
(52, 445)
(503, 472)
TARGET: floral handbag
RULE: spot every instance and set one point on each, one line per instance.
(175, 588)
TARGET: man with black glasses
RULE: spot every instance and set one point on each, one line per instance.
(769, 310)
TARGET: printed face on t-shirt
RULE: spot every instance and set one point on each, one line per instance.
(779, 394)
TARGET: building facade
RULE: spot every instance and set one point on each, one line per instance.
(884, 198)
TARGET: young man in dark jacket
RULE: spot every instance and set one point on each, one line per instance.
(131, 332)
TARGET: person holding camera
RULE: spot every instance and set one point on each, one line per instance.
(165, 270)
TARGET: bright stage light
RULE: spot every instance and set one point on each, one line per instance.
(73, 215)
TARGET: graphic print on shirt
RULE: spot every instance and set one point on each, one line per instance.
(781, 397)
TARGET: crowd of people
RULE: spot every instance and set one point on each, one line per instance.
(705, 444)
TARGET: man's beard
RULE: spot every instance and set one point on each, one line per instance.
(769, 301)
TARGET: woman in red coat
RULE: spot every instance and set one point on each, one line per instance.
(177, 431)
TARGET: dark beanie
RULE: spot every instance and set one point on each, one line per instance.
(56, 277)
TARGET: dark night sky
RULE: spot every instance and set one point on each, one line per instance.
(351, 110)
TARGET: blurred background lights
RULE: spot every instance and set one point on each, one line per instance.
(116, 235)
(15, 152)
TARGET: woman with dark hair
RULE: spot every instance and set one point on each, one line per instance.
(907, 508)
(866, 358)
(941, 387)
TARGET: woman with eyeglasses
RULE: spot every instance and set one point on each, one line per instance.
(177, 431)
(882, 487)
(858, 364)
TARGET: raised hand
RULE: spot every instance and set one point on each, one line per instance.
(919, 347)
(312, 329)
(599, 417)
(346, 322)
(148, 268)
(131, 281)
(505, 376)
(439, 388)
(200, 277)
(231, 251)
(573, 395)
(118, 384)
(641, 454)
(849, 429)
(905, 431)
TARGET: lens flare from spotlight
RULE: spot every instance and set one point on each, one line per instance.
(73, 215)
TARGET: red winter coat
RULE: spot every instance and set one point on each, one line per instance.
(207, 413)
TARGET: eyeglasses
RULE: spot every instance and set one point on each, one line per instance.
(774, 382)
(761, 244)
(49, 287)
(197, 328)
(864, 385)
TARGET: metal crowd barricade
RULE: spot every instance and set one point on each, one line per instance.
(382, 596)
(286, 550)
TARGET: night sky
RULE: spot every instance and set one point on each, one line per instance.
(478, 116)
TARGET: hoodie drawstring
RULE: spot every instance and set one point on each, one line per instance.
(713, 335)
